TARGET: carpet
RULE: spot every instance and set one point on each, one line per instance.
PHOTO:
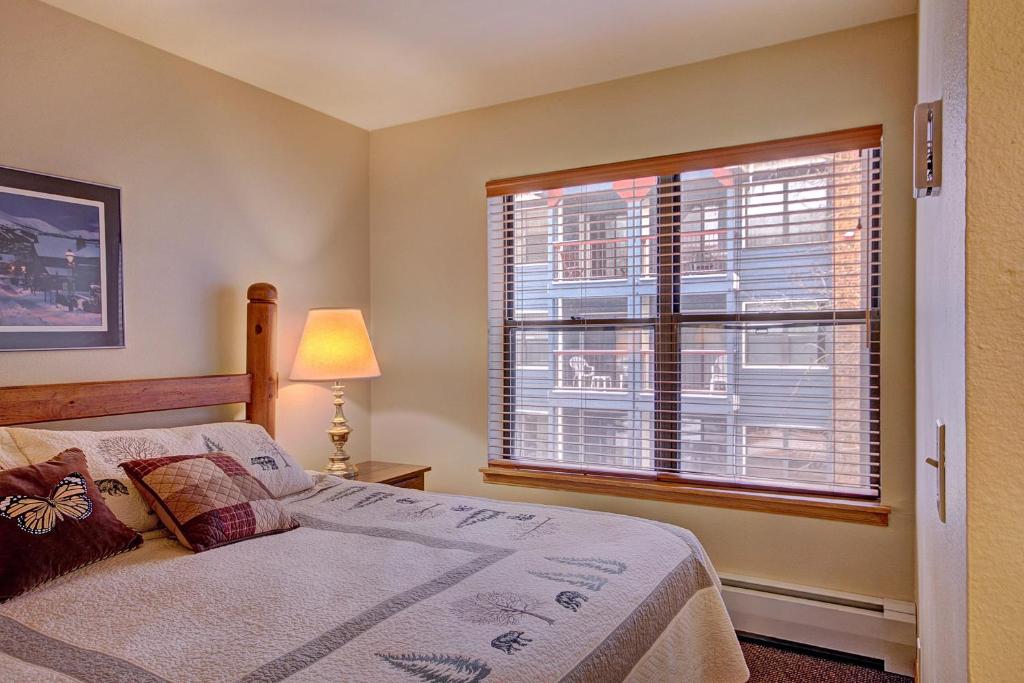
(770, 664)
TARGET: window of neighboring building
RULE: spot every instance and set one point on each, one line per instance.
(787, 202)
(788, 344)
(797, 454)
(531, 232)
(704, 445)
(534, 433)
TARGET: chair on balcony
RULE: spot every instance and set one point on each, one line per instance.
(581, 369)
(719, 378)
(584, 377)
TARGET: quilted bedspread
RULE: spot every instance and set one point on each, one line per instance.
(386, 584)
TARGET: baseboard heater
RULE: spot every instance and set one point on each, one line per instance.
(864, 626)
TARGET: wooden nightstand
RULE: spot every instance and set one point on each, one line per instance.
(393, 473)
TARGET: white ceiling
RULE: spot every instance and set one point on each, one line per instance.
(377, 63)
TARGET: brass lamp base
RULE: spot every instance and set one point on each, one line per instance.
(339, 464)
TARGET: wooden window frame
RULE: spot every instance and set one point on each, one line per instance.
(667, 482)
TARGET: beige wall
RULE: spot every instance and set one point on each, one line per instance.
(941, 221)
(222, 185)
(429, 271)
(995, 319)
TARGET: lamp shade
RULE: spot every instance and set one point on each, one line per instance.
(334, 345)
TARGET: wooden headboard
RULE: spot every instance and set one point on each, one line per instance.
(257, 388)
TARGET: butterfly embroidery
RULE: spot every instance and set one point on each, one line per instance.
(39, 515)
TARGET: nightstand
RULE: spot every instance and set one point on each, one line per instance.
(393, 473)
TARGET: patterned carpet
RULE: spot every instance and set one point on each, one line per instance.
(770, 664)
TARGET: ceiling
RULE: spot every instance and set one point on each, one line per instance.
(378, 63)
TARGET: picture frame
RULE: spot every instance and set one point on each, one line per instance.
(61, 272)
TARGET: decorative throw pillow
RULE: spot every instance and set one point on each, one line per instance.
(261, 456)
(104, 451)
(10, 454)
(208, 500)
(52, 522)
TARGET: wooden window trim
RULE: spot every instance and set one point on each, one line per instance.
(656, 486)
(671, 164)
(665, 482)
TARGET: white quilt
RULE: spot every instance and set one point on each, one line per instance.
(387, 584)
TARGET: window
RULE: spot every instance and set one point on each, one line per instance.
(534, 351)
(594, 243)
(603, 438)
(799, 453)
(786, 202)
(703, 364)
(708, 319)
(704, 445)
(534, 434)
(787, 344)
(531, 242)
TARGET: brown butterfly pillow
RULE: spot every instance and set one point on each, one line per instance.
(53, 521)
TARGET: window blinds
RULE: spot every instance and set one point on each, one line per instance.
(709, 317)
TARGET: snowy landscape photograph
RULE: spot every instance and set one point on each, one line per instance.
(54, 274)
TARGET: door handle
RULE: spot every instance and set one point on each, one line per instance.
(939, 463)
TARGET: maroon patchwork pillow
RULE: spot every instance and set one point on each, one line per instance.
(207, 500)
(53, 521)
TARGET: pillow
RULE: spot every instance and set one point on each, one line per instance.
(208, 500)
(104, 451)
(53, 521)
(261, 456)
(10, 454)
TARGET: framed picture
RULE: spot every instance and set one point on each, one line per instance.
(60, 263)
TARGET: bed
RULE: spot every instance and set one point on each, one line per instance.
(377, 584)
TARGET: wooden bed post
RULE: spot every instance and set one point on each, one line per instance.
(261, 354)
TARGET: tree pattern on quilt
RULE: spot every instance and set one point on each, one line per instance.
(534, 528)
(571, 600)
(505, 608)
(595, 563)
(593, 583)
(211, 445)
(511, 642)
(439, 668)
(345, 493)
(116, 449)
(481, 515)
(374, 497)
(411, 514)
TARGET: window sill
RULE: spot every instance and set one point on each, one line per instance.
(799, 505)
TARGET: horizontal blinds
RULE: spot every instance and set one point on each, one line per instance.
(717, 323)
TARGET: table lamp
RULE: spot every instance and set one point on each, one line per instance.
(335, 346)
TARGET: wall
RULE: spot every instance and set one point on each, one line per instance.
(429, 271)
(941, 222)
(995, 318)
(222, 185)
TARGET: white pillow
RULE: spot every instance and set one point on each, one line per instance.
(261, 456)
(10, 455)
(104, 451)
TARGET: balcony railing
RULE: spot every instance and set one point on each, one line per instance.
(700, 253)
(604, 369)
(592, 259)
(703, 253)
(700, 371)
